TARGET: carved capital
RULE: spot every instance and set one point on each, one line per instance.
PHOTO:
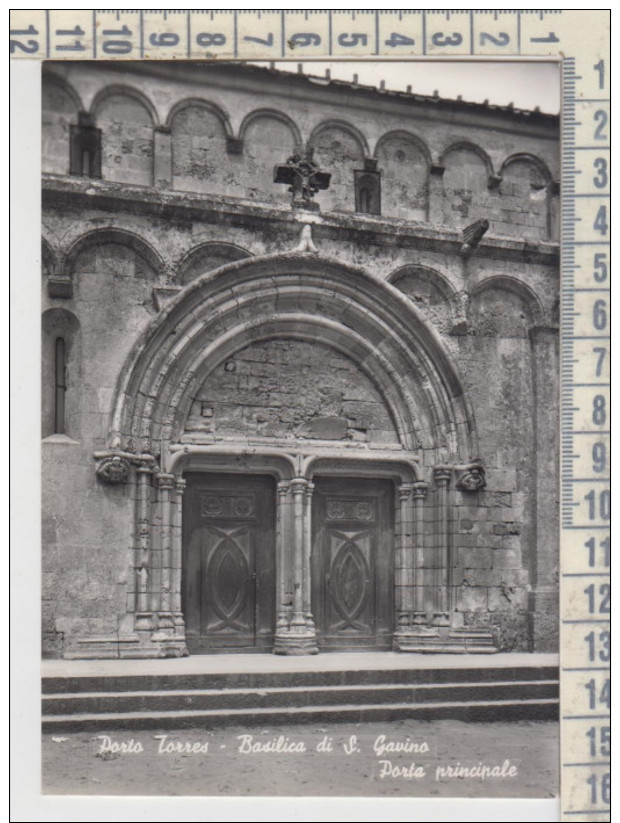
(442, 475)
(404, 490)
(165, 481)
(179, 485)
(299, 485)
(420, 490)
(113, 470)
(309, 489)
(144, 468)
(471, 478)
(283, 487)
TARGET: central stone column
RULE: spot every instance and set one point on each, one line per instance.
(143, 611)
(165, 620)
(177, 557)
(307, 553)
(168, 635)
(441, 614)
(295, 633)
(410, 566)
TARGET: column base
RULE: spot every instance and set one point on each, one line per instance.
(125, 647)
(440, 640)
(296, 642)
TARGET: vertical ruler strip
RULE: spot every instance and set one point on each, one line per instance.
(585, 591)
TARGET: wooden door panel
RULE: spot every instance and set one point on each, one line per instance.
(349, 583)
(228, 580)
(352, 562)
(229, 562)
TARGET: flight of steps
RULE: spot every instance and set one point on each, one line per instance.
(110, 702)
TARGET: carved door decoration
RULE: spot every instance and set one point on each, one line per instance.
(229, 562)
(352, 560)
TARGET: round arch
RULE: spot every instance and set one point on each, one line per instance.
(198, 102)
(540, 166)
(354, 132)
(53, 79)
(464, 145)
(303, 297)
(274, 114)
(514, 286)
(428, 274)
(124, 91)
(112, 235)
(198, 253)
(399, 134)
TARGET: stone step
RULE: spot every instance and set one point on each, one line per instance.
(287, 679)
(270, 697)
(478, 710)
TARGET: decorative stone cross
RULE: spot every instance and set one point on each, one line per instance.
(304, 178)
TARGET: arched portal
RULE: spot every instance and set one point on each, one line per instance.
(207, 353)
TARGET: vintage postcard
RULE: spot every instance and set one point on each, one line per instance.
(301, 419)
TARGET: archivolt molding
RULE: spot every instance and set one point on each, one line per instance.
(538, 164)
(199, 102)
(305, 297)
(465, 145)
(399, 134)
(123, 91)
(344, 126)
(182, 266)
(56, 80)
(122, 237)
(428, 275)
(455, 301)
(515, 286)
(272, 114)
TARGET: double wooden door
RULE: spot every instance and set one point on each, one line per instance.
(352, 563)
(229, 562)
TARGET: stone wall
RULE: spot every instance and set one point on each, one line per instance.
(211, 134)
(289, 389)
(122, 252)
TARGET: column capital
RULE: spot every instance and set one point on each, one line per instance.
(165, 481)
(180, 484)
(299, 485)
(309, 488)
(283, 487)
(442, 475)
(404, 490)
(420, 490)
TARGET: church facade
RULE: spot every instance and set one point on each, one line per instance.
(300, 366)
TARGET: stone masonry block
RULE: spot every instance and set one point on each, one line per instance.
(506, 598)
(506, 559)
(475, 558)
(472, 599)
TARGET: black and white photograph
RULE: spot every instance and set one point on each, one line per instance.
(300, 428)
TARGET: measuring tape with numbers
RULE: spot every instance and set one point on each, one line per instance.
(585, 494)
